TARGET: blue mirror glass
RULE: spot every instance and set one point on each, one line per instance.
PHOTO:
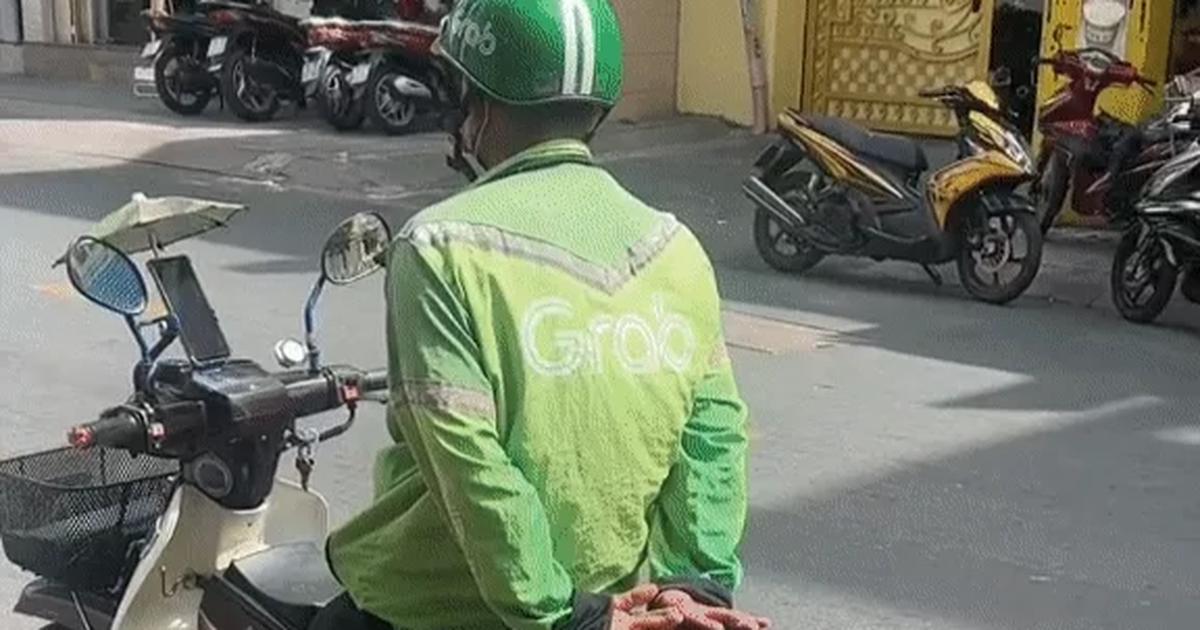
(106, 276)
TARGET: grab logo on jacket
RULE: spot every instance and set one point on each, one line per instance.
(558, 340)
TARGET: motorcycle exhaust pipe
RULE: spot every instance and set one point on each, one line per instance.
(765, 198)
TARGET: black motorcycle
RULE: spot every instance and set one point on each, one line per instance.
(257, 54)
(176, 70)
(1160, 241)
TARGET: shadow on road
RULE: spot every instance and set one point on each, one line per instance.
(1087, 527)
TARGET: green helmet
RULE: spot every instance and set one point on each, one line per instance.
(528, 52)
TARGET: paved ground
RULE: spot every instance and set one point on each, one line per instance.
(920, 461)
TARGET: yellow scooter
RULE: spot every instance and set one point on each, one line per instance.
(827, 186)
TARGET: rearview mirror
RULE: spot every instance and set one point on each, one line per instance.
(106, 276)
(355, 249)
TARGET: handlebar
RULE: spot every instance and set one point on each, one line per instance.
(133, 427)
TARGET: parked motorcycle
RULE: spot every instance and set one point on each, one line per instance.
(401, 79)
(827, 186)
(257, 54)
(1161, 241)
(336, 47)
(1077, 143)
(165, 511)
(176, 71)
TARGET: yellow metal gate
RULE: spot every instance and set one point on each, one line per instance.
(865, 60)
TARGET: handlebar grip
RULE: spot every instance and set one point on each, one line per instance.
(314, 395)
(120, 430)
(375, 380)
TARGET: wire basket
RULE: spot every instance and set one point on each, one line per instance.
(77, 516)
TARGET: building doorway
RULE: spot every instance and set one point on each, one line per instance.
(1016, 39)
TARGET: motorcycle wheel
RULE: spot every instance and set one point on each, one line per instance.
(993, 241)
(1127, 285)
(336, 102)
(389, 113)
(167, 84)
(1051, 189)
(245, 99)
(1190, 286)
(781, 250)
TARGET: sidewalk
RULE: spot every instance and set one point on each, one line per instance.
(690, 166)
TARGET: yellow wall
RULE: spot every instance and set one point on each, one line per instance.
(713, 72)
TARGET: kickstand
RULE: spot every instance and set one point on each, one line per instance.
(934, 275)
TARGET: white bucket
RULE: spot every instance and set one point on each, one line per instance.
(1102, 20)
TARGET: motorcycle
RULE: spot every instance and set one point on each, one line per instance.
(256, 54)
(165, 512)
(335, 48)
(400, 79)
(1077, 142)
(356, 69)
(177, 73)
(1161, 241)
(865, 196)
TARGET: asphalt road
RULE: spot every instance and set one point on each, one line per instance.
(920, 461)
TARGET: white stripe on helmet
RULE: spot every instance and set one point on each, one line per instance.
(579, 48)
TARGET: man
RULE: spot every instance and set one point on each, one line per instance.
(564, 415)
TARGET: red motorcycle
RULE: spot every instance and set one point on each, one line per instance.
(1080, 145)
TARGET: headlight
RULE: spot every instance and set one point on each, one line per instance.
(1016, 147)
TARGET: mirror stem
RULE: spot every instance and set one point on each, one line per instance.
(310, 337)
(169, 333)
(132, 322)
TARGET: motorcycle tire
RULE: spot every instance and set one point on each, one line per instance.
(1051, 189)
(235, 65)
(999, 294)
(1189, 287)
(346, 117)
(388, 113)
(769, 232)
(1163, 281)
(172, 101)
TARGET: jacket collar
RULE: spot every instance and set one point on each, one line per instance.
(542, 155)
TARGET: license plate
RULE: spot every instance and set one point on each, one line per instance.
(152, 48)
(359, 74)
(312, 69)
(143, 75)
(216, 46)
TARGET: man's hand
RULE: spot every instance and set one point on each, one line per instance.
(702, 617)
(629, 611)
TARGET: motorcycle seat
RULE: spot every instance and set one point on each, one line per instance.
(292, 581)
(898, 150)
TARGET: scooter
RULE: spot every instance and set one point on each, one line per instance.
(175, 70)
(165, 511)
(336, 48)
(257, 55)
(827, 186)
(1077, 142)
(401, 78)
(1162, 240)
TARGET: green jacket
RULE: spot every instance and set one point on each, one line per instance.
(564, 413)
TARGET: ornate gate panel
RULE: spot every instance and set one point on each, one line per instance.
(865, 60)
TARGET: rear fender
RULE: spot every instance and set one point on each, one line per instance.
(970, 176)
(778, 158)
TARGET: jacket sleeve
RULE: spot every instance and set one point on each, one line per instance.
(702, 508)
(443, 404)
